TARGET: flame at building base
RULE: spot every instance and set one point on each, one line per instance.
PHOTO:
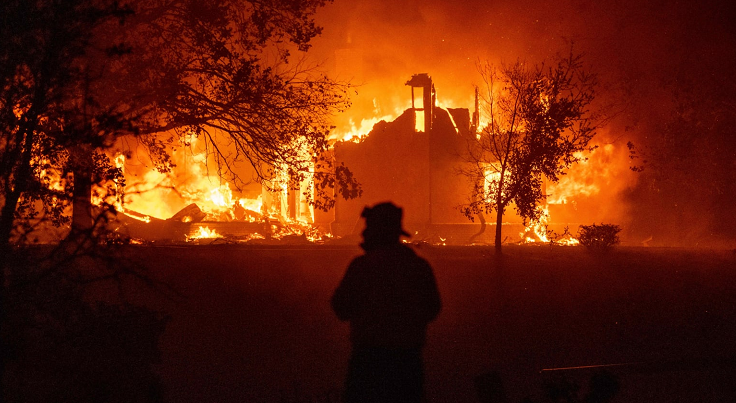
(538, 232)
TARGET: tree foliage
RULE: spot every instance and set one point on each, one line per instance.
(77, 75)
(50, 74)
(538, 123)
(230, 79)
(687, 168)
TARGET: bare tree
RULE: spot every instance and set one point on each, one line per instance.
(537, 122)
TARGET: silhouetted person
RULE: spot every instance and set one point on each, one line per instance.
(388, 295)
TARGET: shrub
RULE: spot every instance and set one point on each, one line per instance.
(600, 236)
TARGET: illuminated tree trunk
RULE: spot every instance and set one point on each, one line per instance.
(7, 220)
(17, 177)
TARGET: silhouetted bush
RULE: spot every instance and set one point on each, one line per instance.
(599, 236)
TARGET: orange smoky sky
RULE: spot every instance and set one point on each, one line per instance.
(383, 42)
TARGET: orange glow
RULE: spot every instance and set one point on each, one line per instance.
(584, 178)
(150, 193)
(252, 204)
(291, 216)
(589, 189)
(356, 132)
(419, 121)
(536, 231)
(367, 118)
(568, 241)
(161, 195)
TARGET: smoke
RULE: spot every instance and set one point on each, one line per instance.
(645, 52)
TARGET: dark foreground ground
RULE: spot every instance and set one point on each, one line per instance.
(256, 325)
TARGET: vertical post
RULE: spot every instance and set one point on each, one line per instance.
(293, 200)
(424, 81)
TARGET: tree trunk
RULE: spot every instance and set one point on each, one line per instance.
(82, 203)
(500, 207)
(482, 220)
(499, 221)
(82, 219)
(7, 219)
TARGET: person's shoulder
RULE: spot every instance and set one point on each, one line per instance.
(359, 260)
(407, 251)
(410, 253)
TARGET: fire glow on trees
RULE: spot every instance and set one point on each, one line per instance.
(85, 74)
(539, 117)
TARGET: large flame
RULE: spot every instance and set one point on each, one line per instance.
(366, 117)
(283, 211)
(161, 195)
(600, 175)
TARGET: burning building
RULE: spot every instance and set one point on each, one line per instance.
(412, 161)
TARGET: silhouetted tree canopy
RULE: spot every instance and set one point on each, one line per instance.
(79, 74)
(229, 77)
(51, 72)
(537, 122)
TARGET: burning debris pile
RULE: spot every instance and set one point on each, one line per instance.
(212, 211)
(243, 225)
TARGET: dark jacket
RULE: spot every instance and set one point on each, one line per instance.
(389, 295)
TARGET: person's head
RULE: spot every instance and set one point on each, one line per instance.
(382, 224)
